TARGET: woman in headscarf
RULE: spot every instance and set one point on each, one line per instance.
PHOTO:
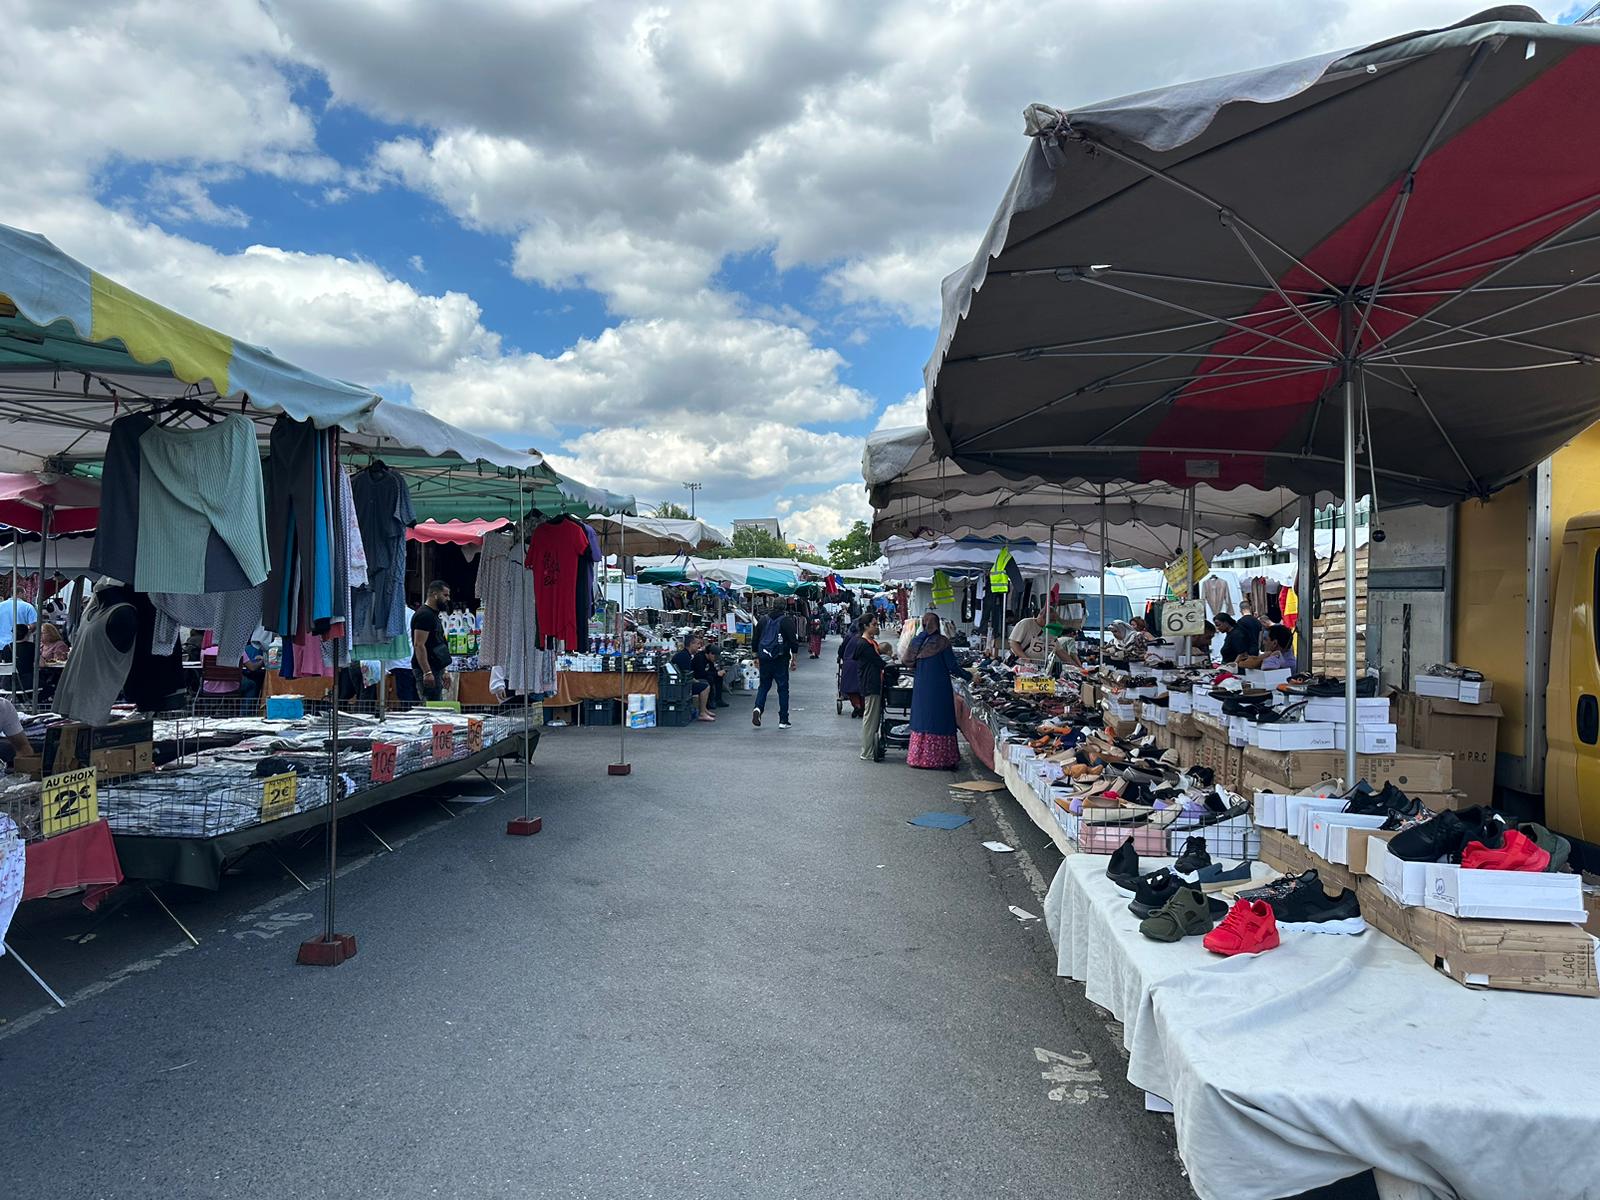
(933, 702)
(850, 671)
(814, 630)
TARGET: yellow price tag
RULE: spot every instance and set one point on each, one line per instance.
(1037, 683)
(71, 801)
(278, 794)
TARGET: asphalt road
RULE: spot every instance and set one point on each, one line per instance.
(736, 973)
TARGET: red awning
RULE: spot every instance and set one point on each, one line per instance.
(74, 503)
(455, 533)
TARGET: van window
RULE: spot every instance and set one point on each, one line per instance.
(1117, 609)
(1594, 606)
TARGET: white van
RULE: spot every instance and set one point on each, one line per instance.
(1119, 606)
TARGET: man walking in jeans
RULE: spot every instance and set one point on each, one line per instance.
(869, 673)
(777, 644)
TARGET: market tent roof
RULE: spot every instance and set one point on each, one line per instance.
(1177, 285)
(62, 317)
(911, 559)
(656, 535)
(74, 504)
(760, 575)
(454, 533)
(914, 493)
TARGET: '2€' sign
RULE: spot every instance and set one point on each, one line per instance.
(70, 800)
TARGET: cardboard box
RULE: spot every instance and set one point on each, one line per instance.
(1369, 710)
(1478, 692)
(1406, 882)
(1282, 853)
(1408, 769)
(1267, 679)
(1326, 833)
(1516, 956)
(1451, 801)
(1467, 732)
(1302, 809)
(1271, 809)
(1357, 842)
(1370, 739)
(1504, 895)
(1381, 911)
(1334, 878)
(1184, 726)
(1180, 702)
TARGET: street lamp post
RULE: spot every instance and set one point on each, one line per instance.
(693, 488)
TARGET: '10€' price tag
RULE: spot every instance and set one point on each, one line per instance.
(444, 741)
(383, 756)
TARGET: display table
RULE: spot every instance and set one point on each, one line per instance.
(1038, 809)
(976, 730)
(1332, 1054)
(574, 687)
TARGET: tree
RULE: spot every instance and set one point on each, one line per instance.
(854, 549)
(675, 511)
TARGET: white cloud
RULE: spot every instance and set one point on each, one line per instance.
(416, 264)
(664, 372)
(184, 198)
(910, 409)
(822, 516)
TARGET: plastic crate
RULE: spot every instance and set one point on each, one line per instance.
(600, 712)
(673, 713)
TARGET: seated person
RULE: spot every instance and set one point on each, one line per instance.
(707, 668)
(699, 689)
(1279, 651)
(52, 646)
(11, 729)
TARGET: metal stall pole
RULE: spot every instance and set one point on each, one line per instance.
(1190, 589)
(1349, 577)
(332, 948)
(527, 824)
(38, 607)
(1305, 581)
(1049, 580)
(622, 766)
(15, 542)
(1105, 538)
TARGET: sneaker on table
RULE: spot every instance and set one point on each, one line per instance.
(1217, 877)
(1123, 867)
(1517, 852)
(1187, 914)
(1307, 908)
(1195, 856)
(1249, 928)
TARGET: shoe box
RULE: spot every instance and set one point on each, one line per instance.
(1467, 732)
(1409, 769)
(1303, 735)
(1357, 844)
(1503, 895)
(1328, 834)
(1282, 853)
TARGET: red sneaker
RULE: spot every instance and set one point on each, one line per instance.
(1517, 852)
(1249, 928)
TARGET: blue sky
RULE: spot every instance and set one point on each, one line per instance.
(659, 241)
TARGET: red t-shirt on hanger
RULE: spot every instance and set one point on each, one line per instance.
(553, 553)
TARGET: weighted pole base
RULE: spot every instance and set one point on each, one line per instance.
(327, 952)
(619, 769)
(524, 826)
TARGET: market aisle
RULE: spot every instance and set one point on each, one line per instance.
(738, 973)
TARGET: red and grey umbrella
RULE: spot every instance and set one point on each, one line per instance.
(1378, 263)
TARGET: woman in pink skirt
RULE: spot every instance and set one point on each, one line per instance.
(933, 703)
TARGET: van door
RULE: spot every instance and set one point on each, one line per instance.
(1572, 701)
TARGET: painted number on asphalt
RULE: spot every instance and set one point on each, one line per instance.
(1078, 1080)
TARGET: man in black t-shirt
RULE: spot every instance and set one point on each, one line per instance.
(699, 689)
(430, 649)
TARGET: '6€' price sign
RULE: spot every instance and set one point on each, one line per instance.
(69, 801)
(383, 756)
(1185, 618)
(444, 741)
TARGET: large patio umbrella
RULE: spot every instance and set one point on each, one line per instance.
(1381, 259)
(656, 535)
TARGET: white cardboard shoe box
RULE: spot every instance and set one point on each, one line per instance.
(1370, 710)
(1302, 808)
(1326, 833)
(1370, 739)
(1503, 895)
(1303, 735)
(1404, 882)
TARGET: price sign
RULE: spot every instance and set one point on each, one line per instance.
(383, 756)
(1178, 579)
(474, 735)
(1184, 619)
(277, 795)
(444, 741)
(1035, 683)
(70, 801)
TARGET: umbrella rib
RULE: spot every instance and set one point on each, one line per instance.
(1231, 227)
(1486, 264)
(1194, 312)
(1426, 270)
(1168, 396)
(1416, 394)
(1196, 193)
(1114, 337)
(1466, 327)
(1478, 338)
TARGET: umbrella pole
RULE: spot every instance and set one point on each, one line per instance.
(1189, 585)
(1349, 578)
(1305, 574)
(14, 548)
(1050, 576)
(525, 825)
(622, 766)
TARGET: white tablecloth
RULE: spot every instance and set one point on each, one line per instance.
(1332, 1054)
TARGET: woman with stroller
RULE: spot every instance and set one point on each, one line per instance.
(933, 704)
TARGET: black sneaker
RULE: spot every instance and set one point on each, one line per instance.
(1123, 869)
(1446, 834)
(1202, 777)
(1308, 909)
(1281, 887)
(1154, 890)
(1195, 855)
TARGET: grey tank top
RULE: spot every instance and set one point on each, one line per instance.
(95, 671)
